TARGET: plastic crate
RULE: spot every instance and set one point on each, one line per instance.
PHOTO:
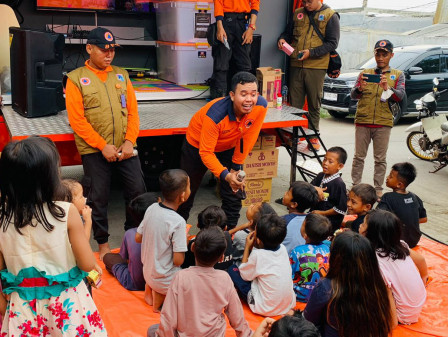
(183, 21)
(184, 63)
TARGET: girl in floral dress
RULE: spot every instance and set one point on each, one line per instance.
(44, 253)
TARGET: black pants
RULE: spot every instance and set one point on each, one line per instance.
(191, 162)
(96, 184)
(235, 25)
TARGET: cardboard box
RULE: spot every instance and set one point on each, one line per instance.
(258, 190)
(257, 145)
(269, 83)
(261, 164)
(267, 142)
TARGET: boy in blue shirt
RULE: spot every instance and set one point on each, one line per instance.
(309, 262)
(299, 197)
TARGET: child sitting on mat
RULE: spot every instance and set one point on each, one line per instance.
(163, 236)
(211, 216)
(253, 214)
(127, 265)
(263, 276)
(198, 296)
(404, 271)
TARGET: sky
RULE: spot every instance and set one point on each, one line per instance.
(411, 5)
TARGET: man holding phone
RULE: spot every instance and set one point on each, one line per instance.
(376, 89)
(309, 60)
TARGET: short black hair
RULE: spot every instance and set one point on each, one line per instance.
(304, 194)
(366, 193)
(406, 172)
(212, 216)
(271, 230)
(139, 205)
(317, 227)
(295, 325)
(172, 183)
(242, 77)
(209, 245)
(265, 208)
(342, 154)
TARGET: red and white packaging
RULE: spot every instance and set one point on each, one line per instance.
(287, 48)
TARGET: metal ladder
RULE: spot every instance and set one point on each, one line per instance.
(309, 164)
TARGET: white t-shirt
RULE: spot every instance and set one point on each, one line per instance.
(271, 291)
(403, 278)
(164, 233)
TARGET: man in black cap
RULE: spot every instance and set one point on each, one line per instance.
(378, 91)
(102, 111)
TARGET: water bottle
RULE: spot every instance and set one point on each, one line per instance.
(285, 94)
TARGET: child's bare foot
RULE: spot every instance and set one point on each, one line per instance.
(158, 301)
(103, 249)
(148, 295)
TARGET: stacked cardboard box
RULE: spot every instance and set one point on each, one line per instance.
(260, 167)
(269, 84)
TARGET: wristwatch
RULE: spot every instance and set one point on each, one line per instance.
(252, 26)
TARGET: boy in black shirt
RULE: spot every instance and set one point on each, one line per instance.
(361, 199)
(407, 206)
(331, 187)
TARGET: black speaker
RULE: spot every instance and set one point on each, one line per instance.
(36, 72)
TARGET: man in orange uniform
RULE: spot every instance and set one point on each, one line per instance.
(232, 25)
(102, 110)
(219, 137)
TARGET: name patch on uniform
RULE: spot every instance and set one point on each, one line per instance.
(85, 81)
(393, 77)
(408, 201)
(300, 16)
(249, 123)
(120, 77)
(321, 17)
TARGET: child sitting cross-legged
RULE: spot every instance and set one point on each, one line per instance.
(407, 206)
(261, 278)
(404, 271)
(298, 198)
(127, 265)
(309, 262)
(163, 236)
(361, 199)
(331, 187)
(199, 296)
(211, 216)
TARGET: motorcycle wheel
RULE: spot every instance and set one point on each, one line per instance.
(413, 142)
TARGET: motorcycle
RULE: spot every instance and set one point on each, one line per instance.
(428, 138)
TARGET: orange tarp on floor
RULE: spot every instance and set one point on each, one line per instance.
(126, 314)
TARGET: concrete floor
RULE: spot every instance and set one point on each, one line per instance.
(431, 188)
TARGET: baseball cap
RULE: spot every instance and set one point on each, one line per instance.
(102, 38)
(385, 45)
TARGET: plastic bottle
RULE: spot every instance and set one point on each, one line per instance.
(279, 101)
(285, 94)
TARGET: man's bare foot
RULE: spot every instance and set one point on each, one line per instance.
(148, 295)
(103, 249)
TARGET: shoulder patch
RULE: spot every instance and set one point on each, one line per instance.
(84, 80)
(300, 16)
(393, 77)
(262, 101)
(218, 110)
(120, 77)
(321, 17)
(249, 123)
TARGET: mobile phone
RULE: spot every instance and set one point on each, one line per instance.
(372, 78)
(299, 56)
